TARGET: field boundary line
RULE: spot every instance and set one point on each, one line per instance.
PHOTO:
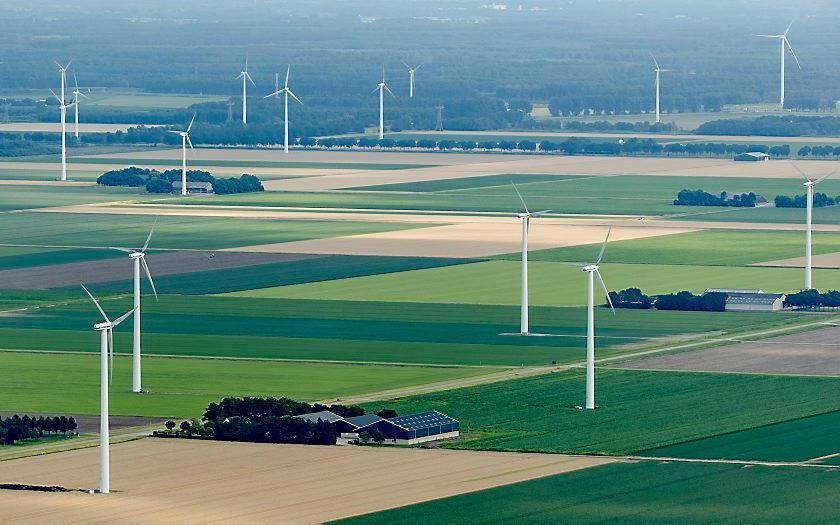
(757, 463)
(727, 372)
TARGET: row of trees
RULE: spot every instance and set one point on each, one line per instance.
(813, 300)
(702, 198)
(801, 201)
(17, 428)
(776, 126)
(162, 182)
(633, 298)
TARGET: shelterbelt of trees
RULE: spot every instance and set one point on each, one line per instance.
(162, 182)
(633, 298)
(17, 428)
(776, 126)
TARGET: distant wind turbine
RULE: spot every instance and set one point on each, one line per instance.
(139, 258)
(286, 92)
(411, 72)
(658, 70)
(76, 95)
(106, 346)
(246, 77)
(784, 43)
(185, 139)
(63, 107)
(526, 222)
(809, 211)
(382, 88)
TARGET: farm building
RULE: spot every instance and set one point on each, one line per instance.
(415, 428)
(324, 415)
(751, 156)
(353, 424)
(751, 300)
(193, 187)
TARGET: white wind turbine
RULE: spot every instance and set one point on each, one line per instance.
(106, 330)
(63, 108)
(286, 92)
(139, 258)
(382, 87)
(658, 70)
(526, 222)
(411, 72)
(784, 43)
(76, 95)
(246, 77)
(592, 272)
(809, 211)
(185, 139)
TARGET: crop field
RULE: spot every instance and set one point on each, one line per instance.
(637, 410)
(640, 493)
(184, 387)
(797, 440)
(731, 248)
(14, 197)
(77, 229)
(146, 161)
(127, 99)
(44, 174)
(553, 284)
(357, 332)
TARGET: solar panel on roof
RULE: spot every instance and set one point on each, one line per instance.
(423, 420)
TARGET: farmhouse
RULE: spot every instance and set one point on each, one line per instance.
(193, 187)
(751, 156)
(751, 300)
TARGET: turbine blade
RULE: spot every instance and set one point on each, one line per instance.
(407, 66)
(251, 80)
(654, 61)
(418, 67)
(788, 28)
(189, 142)
(792, 53)
(769, 36)
(149, 275)
(126, 250)
(375, 90)
(604, 246)
(278, 92)
(389, 90)
(825, 177)
(123, 317)
(520, 197)
(149, 238)
(92, 298)
(606, 292)
(538, 213)
(53, 94)
(288, 69)
(191, 123)
(294, 96)
(800, 172)
(173, 131)
(75, 80)
(111, 354)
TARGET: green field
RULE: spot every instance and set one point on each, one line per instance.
(552, 284)
(127, 99)
(642, 493)
(731, 248)
(797, 440)
(12, 257)
(362, 332)
(464, 183)
(27, 174)
(203, 233)
(65, 383)
(14, 197)
(637, 410)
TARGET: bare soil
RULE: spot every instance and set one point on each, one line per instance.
(826, 260)
(90, 424)
(187, 481)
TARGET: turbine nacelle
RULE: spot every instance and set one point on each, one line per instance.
(590, 268)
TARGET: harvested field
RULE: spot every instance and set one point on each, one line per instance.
(171, 481)
(162, 263)
(90, 424)
(811, 353)
(466, 240)
(825, 260)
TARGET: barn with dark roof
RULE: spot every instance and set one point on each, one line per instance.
(414, 428)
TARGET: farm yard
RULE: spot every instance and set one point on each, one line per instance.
(392, 280)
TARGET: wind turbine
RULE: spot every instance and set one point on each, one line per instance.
(784, 43)
(139, 258)
(658, 70)
(286, 92)
(63, 108)
(591, 272)
(809, 210)
(526, 221)
(185, 139)
(246, 77)
(382, 87)
(411, 72)
(106, 331)
(76, 95)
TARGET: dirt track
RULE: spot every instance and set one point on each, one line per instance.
(826, 260)
(810, 353)
(179, 481)
(161, 263)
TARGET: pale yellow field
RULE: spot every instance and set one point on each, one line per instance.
(179, 481)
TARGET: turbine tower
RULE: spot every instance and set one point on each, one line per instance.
(246, 77)
(784, 43)
(658, 70)
(76, 95)
(809, 211)
(63, 109)
(382, 88)
(185, 139)
(592, 272)
(106, 346)
(139, 258)
(526, 222)
(411, 72)
(286, 92)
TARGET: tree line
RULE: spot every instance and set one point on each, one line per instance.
(633, 298)
(813, 300)
(703, 198)
(821, 200)
(162, 182)
(17, 428)
(776, 126)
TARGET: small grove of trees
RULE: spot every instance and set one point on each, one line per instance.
(161, 182)
(702, 198)
(813, 300)
(821, 200)
(244, 184)
(131, 176)
(633, 298)
(17, 428)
